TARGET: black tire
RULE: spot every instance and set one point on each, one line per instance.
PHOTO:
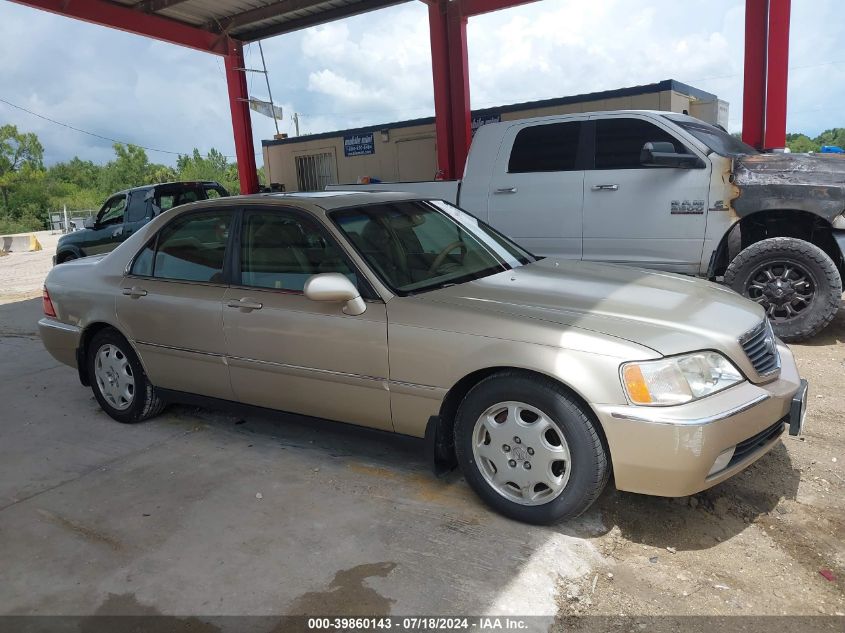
(65, 257)
(588, 467)
(144, 402)
(803, 309)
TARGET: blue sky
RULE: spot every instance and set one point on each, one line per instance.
(375, 68)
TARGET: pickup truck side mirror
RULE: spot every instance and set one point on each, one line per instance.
(662, 154)
(89, 223)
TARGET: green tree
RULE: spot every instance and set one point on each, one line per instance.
(21, 160)
(801, 143)
(130, 168)
(213, 166)
(833, 136)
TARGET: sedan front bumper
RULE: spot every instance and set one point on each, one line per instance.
(680, 450)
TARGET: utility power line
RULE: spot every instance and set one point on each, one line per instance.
(100, 136)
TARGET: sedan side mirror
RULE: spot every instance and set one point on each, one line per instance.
(89, 222)
(662, 154)
(335, 288)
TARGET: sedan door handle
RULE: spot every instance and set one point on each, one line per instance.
(605, 187)
(245, 304)
(134, 292)
(505, 190)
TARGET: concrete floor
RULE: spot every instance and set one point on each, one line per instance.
(199, 512)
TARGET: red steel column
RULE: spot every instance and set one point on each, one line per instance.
(777, 74)
(241, 121)
(442, 93)
(459, 85)
(754, 92)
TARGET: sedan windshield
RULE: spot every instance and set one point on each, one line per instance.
(418, 245)
(714, 138)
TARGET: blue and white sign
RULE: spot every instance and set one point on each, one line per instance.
(478, 121)
(359, 145)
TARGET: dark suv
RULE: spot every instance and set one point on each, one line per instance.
(126, 212)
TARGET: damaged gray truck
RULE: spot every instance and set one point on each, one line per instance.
(667, 191)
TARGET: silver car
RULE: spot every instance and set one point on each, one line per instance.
(538, 377)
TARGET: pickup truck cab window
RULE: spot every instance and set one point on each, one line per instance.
(138, 207)
(549, 147)
(715, 139)
(112, 212)
(619, 142)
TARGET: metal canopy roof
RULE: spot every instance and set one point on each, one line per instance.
(250, 20)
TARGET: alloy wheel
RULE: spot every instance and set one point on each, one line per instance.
(521, 453)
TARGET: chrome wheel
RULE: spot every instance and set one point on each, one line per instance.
(114, 376)
(784, 289)
(521, 453)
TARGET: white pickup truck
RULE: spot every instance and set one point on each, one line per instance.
(668, 191)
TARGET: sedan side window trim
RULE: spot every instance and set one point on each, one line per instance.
(153, 240)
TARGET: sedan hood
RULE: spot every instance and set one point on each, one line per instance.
(668, 313)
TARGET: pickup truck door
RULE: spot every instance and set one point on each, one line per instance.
(647, 216)
(108, 227)
(536, 192)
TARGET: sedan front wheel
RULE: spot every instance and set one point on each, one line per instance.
(528, 448)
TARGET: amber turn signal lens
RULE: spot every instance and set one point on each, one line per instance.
(635, 385)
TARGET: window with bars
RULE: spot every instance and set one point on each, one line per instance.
(315, 171)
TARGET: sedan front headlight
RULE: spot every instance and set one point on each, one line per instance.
(678, 379)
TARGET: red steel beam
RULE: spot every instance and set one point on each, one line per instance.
(456, 31)
(754, 90)
(478, 7)
(127, 19)
(777, 74)
(442, 89)
(241, 120)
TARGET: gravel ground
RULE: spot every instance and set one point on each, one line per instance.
(768, 542)
(22, 274)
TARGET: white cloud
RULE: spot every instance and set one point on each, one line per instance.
(375, 68)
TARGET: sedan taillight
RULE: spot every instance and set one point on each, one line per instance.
(47, 304)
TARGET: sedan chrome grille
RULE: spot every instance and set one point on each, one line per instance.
(761, 348)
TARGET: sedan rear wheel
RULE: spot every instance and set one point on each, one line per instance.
(529, 448)
(118, 380)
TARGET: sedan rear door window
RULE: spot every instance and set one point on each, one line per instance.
(191, 248)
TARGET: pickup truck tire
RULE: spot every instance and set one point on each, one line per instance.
(118, 380)
(528, 448)
(65, 257)
(795, 281)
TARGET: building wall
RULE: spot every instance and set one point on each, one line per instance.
(409, 153)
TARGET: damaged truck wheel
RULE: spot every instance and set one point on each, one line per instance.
(795, 281)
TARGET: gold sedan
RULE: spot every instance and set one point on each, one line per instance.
(537, 376)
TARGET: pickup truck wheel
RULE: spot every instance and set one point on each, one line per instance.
(65, 257)
(118, 380)
(795, 281)
(528, 449)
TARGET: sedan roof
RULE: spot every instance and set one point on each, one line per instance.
(329, 200)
